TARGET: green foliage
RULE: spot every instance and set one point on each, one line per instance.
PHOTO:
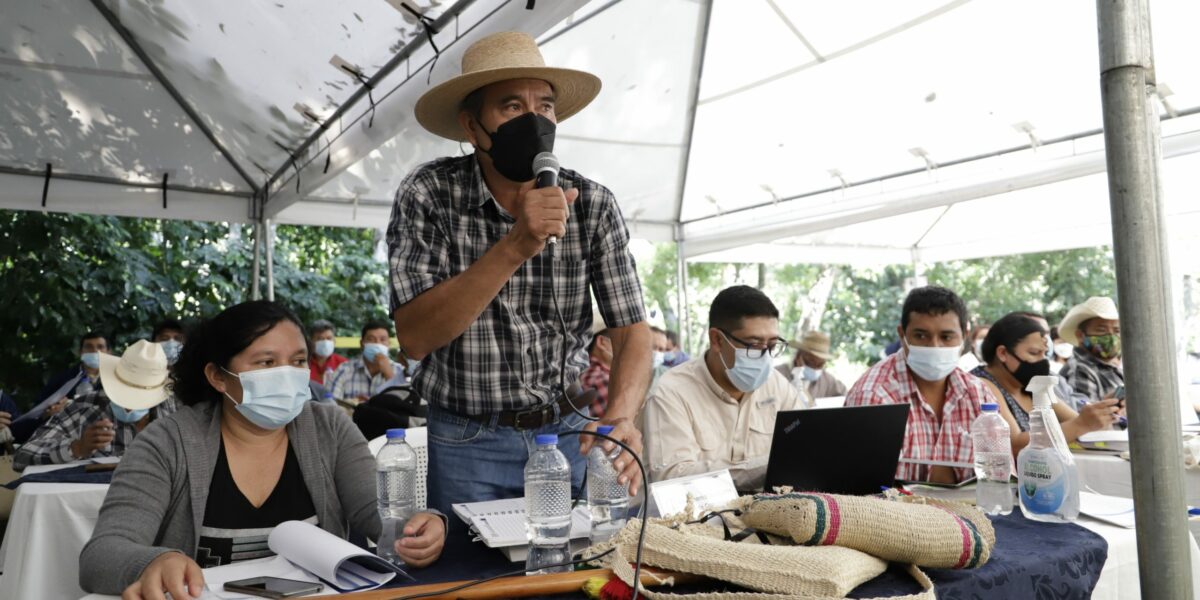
(862, 309)
(61, 275)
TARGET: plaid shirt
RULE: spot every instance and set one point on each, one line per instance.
(51, 443)
(1091, 378)
(596, 378)
(889, 382)
(443, 221)
(352, 380)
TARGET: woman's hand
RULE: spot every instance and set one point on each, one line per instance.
(170, 572)
(424, 536)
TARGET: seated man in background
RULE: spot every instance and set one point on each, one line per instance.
(323, 361)
(924, 373)
(169, 334)
(676, 355)
(78, 380)
(808, 367)
(659, 347)
(596, 376)
(1094, 369)
(357, 380)
(717, 411)
(105, 422)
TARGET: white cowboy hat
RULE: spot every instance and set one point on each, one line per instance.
(1095, 307)
(137, 379)
(500, 57)
(815, 343)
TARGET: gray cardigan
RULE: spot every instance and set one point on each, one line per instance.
(158, 494)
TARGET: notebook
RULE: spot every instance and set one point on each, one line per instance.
(500, 524)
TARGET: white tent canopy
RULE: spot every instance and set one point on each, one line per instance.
(861, 132)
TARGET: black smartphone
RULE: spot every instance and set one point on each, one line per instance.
(1120, 393)
(273, 587)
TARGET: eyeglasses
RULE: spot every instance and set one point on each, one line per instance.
(773, 347)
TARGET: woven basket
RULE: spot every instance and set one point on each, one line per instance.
(920, 531)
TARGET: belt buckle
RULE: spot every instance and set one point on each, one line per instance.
(528, 412)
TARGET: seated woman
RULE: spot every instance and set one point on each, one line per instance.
(247, 452)
(1014, 352)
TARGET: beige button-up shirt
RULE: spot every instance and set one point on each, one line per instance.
(690, 425)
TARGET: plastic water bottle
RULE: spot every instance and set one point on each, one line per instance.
(993, 461)
(607, 499)
(396, 479)
(1047, 479)
(548, 507)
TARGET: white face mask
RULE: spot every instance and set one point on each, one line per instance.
(658, 359)
(323, 348)
(932, 364)
(979, 348)
(811, 374)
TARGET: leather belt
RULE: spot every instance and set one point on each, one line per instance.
(545, 414)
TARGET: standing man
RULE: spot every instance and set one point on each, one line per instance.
(943, 399)
(474, 287)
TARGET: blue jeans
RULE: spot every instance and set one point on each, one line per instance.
(471, 461)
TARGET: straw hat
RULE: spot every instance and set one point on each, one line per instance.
(500, 57)
(815, 343)
(1095, 307)
(138, 378)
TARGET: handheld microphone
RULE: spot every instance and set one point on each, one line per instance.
(545, 172)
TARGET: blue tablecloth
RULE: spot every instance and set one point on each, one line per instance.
(68, 475)
(1031, 561)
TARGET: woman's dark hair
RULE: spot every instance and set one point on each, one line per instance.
(1007, 332)
(217, 341)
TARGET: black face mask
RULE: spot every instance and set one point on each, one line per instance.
(516, 142)
(1028, 370)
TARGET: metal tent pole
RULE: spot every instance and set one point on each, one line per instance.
(1132, 151)
(255, 293)
(681, 296)
(269, 238)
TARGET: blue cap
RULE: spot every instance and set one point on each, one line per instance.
(543, 439)
(989, 407)
(604, 429)
(395, 434)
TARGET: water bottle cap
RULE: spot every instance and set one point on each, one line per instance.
(546, 438)
(604, 429)
(989, 407)
(395, 434)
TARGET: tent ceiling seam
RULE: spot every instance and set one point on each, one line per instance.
(945, 8)
(147, 185)
(45, 66)
(161, 77)
(796, 31)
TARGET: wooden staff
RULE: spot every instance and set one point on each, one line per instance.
(519, 586)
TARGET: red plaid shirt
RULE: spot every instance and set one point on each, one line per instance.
(595, 377)
(926, 439)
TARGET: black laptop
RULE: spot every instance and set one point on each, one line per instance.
(849, 450)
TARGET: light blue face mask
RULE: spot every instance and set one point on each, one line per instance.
(747, 374)
(323, 348)
(370, 351)
(90, 359)
(271, 398)
(128, 416)
(811, 374)
(171, 348)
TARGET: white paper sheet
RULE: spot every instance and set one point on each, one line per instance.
(1110, 509)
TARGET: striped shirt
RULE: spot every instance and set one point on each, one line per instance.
(925, 437)
(51, 443)
(443, 221)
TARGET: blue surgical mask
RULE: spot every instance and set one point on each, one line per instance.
(127, 416)
(271, 398)
(171, 348)
(323, 348)
(90, 359)
(658, 359)
(810, 374)
(932, 364)
(747, 374)
(370, 351)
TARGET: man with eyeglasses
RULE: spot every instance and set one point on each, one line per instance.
(717, 411)
(944, 400)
